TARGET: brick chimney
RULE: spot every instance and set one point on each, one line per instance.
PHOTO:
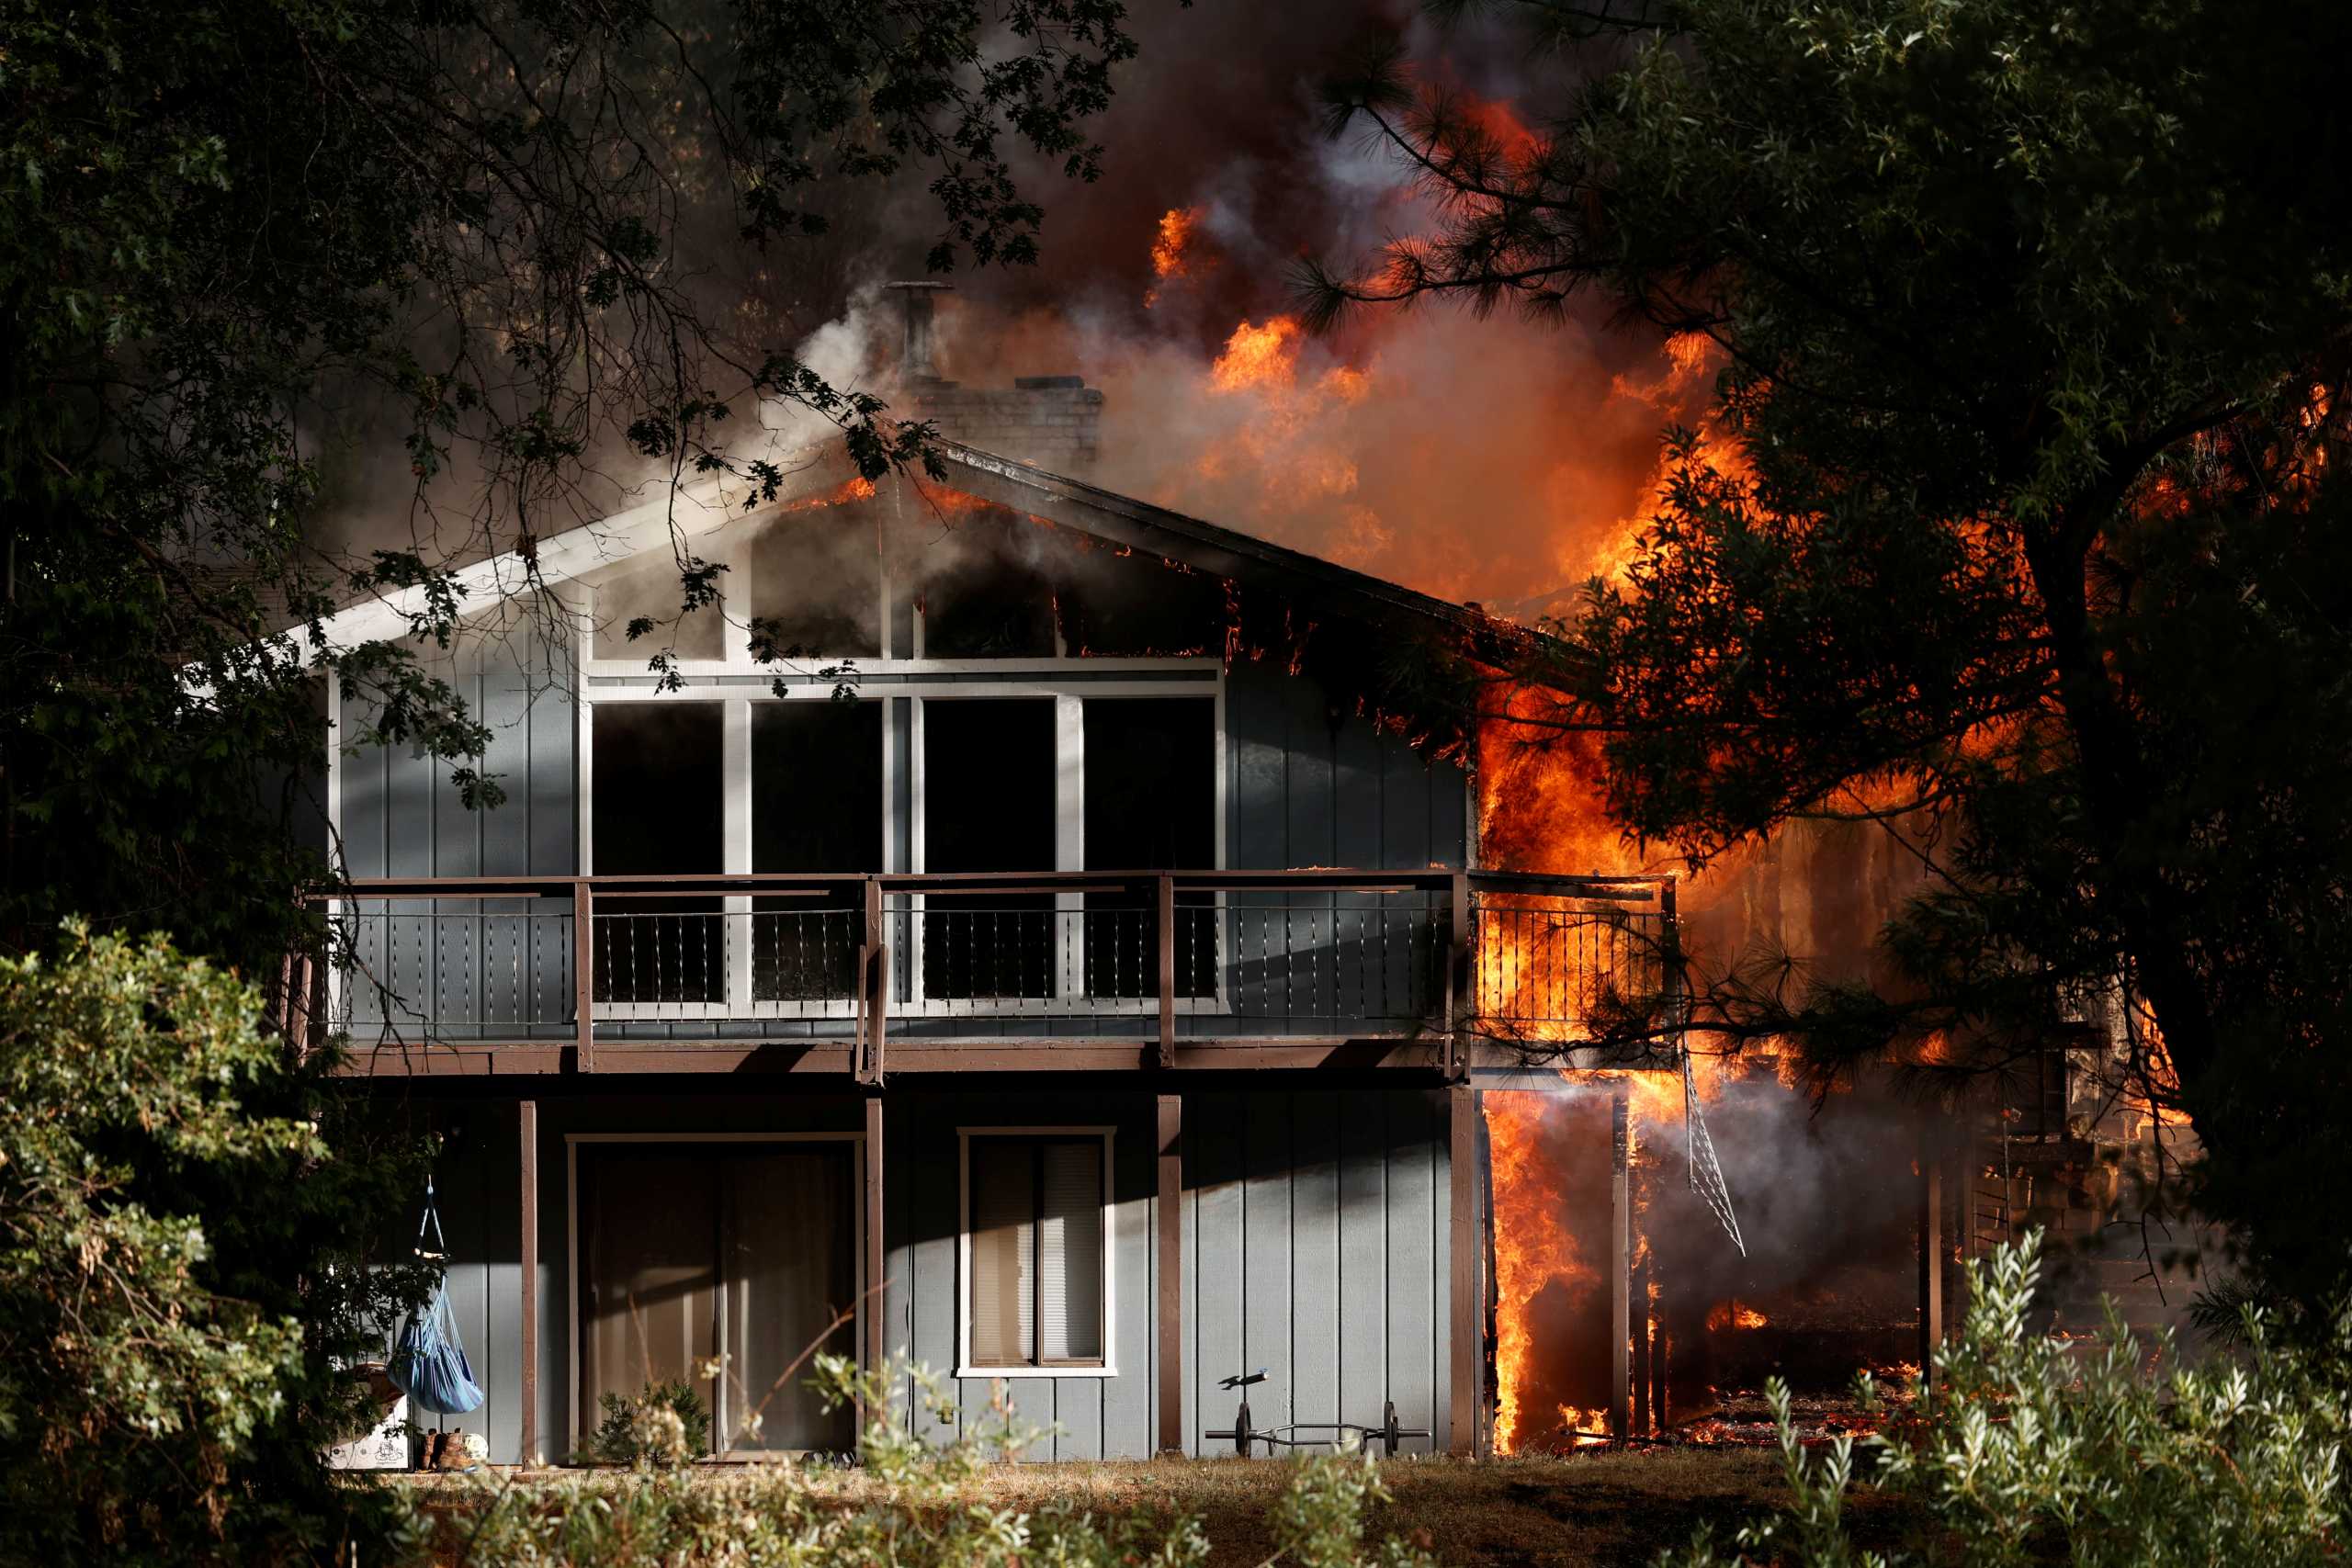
(1054, 422)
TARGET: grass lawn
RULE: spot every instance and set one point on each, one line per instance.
(1596, 1508)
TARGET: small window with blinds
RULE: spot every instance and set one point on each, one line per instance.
(1036, 1277)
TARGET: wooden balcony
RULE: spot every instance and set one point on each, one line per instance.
(866, 975)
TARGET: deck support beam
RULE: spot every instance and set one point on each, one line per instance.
(527, 1115)
(584, 972)
(1620, 1263)
(1169, 1215)
(878, 1296)
(1465, 1245)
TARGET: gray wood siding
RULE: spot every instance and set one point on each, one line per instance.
(402, 817)
(1321, 1214)
(1323, 1219)
(1097, 1417)
(1304, 788)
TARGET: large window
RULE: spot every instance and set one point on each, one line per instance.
(1036, 1260)
(660, 788)
(816, 806)
(1150, 806)
(659, 801)
(987, 805)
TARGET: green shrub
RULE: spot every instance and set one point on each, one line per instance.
(666, 1424)
(911, 1503)
(180, 1275)
(2103, 1455)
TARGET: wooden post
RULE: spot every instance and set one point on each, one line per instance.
(584, 972)
(1170, 1265)
(1167, 974)
(1620, 1264)
(878, 1038)
(528, 1116)
(1931, 1251)
(1462, 1144)
(873, 986)
(1460, 980)
(877, 1324)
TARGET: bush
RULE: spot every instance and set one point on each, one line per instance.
(909, 1505)
(177, 1283)
(2032, 1451)
(666, 1424)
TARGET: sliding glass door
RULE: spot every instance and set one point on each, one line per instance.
(694, 1251)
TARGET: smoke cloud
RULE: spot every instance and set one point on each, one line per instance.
(1488, 459)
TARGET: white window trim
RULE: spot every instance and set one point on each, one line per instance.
(964, 1367)
(574, 1341)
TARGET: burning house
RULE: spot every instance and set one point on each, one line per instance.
(1018, 930)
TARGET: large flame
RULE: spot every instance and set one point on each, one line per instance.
(1551, 1210)
(1260, 357)
(1533, 1249)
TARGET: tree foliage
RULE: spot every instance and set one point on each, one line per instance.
(2014, 525)
(184, 1222)
(549, 245)
(2041, 1450)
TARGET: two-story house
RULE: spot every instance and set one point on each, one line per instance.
(1023, 921)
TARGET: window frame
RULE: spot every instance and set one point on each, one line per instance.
(965, 1365)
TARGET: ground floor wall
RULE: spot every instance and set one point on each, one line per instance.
(1315, 1244)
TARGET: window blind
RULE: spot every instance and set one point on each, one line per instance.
(1036, 1231)
(1003, 1254)
(1069, 1288)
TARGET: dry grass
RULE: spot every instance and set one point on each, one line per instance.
(1600, 1508)
(1592, 1508)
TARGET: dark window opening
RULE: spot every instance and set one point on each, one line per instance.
(814, 582)
(988, 607)
(1150, 806)
(816, 806)
(988, 806)
(659, 811)
(1135, 605)
(817, 786)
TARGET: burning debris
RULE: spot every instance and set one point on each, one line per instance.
(1824, 1291)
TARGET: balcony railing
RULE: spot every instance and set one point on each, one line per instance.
(1147, 957)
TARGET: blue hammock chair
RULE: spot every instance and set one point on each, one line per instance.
(428, 1361)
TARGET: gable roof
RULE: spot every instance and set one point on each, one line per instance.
(697, 507)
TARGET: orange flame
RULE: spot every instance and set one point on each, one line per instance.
(1173, 250)
(1726, 1315)
(1257, 357)
(1167, 257)
(1535, 1244)
(1533, 1248)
